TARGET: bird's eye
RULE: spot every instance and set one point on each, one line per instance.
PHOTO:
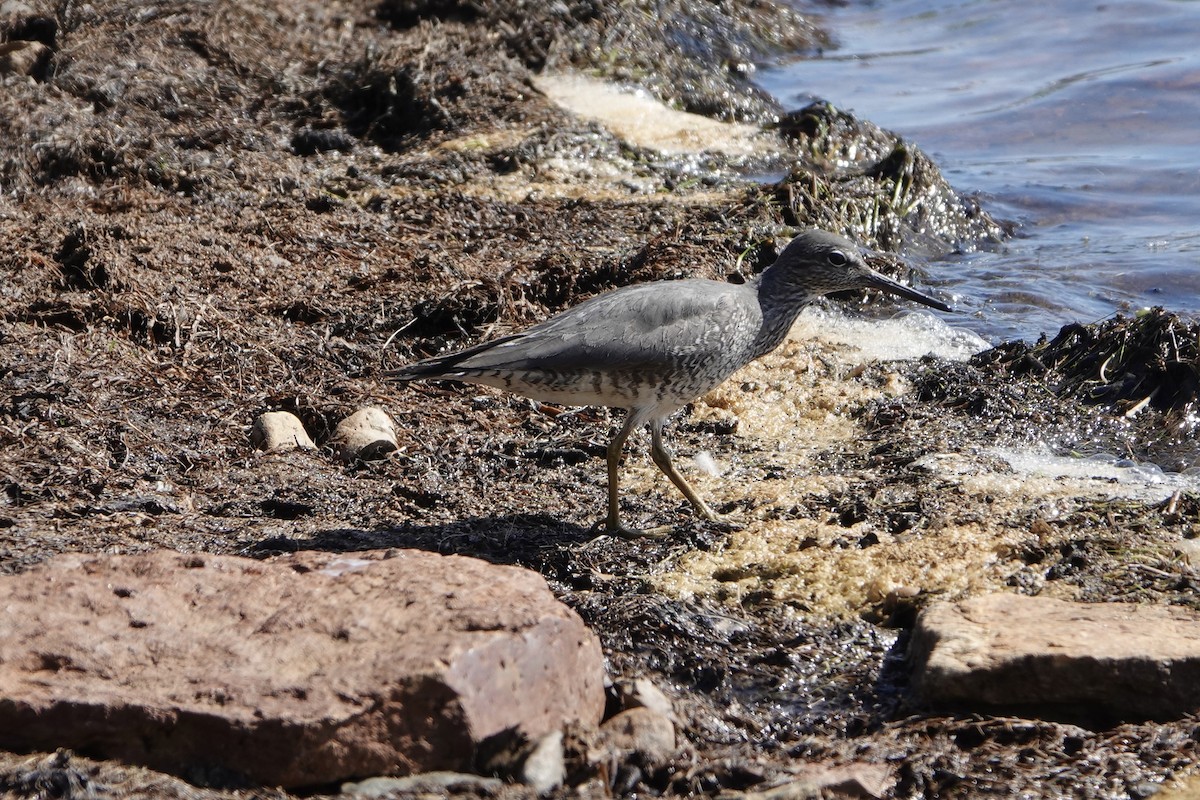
(837, 258)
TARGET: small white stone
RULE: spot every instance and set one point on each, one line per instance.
(545, 768)
(1190, 550)
(642, 731)
(367, 434)
(21, 57)
(280, 430)
(642, 693)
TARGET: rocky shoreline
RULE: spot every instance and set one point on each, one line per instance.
(213, 212)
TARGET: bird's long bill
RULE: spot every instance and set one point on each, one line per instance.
(885, 284)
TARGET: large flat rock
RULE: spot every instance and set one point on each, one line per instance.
(301, 670)
(1093, 661)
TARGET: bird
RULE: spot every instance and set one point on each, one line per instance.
(652, 348)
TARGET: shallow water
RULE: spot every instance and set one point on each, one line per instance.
(1080, 121)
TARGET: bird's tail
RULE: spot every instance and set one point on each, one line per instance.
(420, 370)
(451, 366)
(428, 369)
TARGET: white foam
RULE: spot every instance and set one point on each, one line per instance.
(1121, 477)
(639, 119)
(908, 335)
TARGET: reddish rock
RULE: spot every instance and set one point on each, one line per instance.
(301, 670)
(1094, 661)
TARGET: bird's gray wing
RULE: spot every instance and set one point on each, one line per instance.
(647, 326)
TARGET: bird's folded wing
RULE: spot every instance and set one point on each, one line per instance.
(646, 326)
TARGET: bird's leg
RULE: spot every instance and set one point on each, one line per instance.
(612, 523)
(662, 457)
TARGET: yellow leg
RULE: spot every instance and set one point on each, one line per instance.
(613, 522)
(662, 457)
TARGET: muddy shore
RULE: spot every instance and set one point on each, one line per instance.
(210, 211)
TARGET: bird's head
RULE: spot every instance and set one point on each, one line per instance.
(817, 263)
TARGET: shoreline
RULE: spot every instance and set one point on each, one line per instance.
(203, 225)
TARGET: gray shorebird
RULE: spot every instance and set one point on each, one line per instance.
(652, 348)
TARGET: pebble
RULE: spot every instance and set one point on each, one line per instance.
(545, 767)
(642, 693)
(641, 731)
(435, 783)
(280, 430)
(21, 57)
(366, 435)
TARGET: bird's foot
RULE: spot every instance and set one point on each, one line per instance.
(724, 522)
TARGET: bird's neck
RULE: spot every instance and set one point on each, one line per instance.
(780, 302)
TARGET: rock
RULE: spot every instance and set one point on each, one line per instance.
(1189, 549)
(307, 669)
(641, 731)
(539, 763)
(23, 58)
(817, 781)
(11, 9)
(642, 693)
(1085, 661)
(644, 122)
(279, 430)
(545, 768)
(311, 141)
(434, 783)
(367, 434)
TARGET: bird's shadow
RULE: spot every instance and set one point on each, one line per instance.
(559, 550)
(501, 539)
